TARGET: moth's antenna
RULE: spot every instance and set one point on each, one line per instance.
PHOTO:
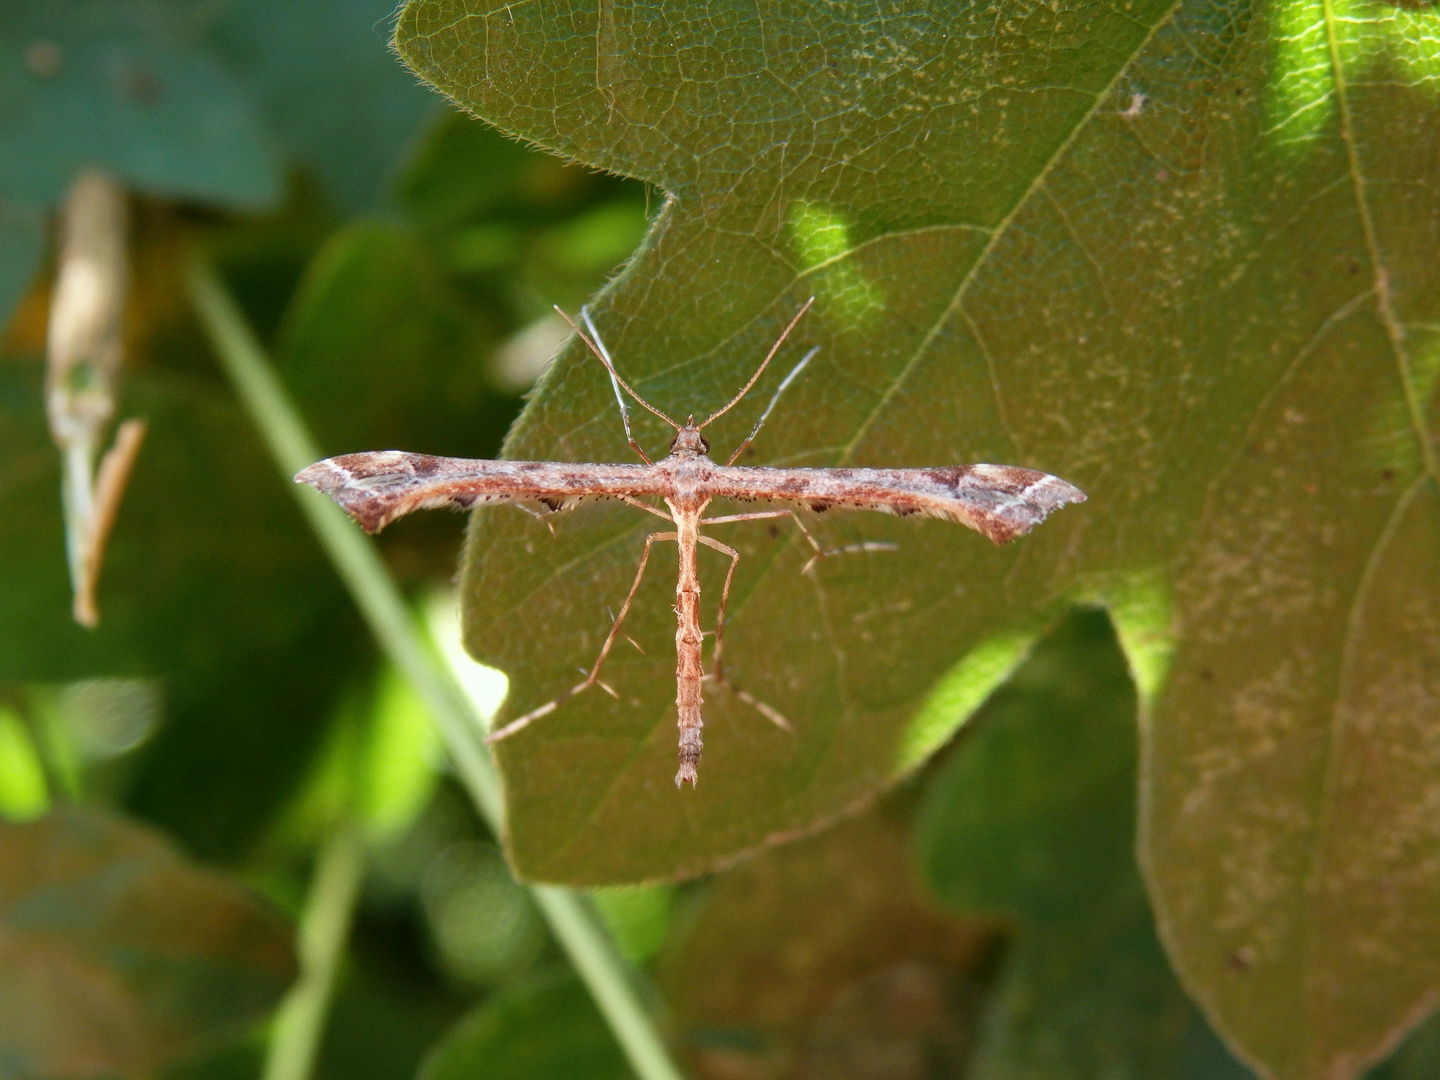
(763, 364)
(780, 390)
(598, 347)
(615, 382)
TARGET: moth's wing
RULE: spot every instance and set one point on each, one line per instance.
(379, 486)
(1000, 501)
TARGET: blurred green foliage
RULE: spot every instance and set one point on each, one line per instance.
(255, 707)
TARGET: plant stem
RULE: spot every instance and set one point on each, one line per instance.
(570, 915)
(324, 930)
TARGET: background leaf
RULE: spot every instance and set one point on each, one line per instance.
(211, 102)
(371, 294)
(1179, 253)
(1033, 818)
(827, 959)
(332, 95)
(120, 956)
(546, 1028)
(264, 710)
(22, 241)
(132, 90)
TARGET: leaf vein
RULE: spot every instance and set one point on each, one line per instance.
(1001, 230)
(1330, 777)
(1339, 315)
(1394, 328)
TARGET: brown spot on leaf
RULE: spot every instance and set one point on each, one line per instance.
(143, 86)
(43, 59)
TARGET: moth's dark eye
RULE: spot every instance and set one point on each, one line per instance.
(704, 444)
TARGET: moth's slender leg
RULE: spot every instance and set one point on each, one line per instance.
(719, 657)
(594, 676)
(639, 505)
(718, 674)
(820, 553)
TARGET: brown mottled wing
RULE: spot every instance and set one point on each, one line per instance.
(377, 487)
(1001, 501)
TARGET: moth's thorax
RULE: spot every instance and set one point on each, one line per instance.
(689, 467)
(691, 474)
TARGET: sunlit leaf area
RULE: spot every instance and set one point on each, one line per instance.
(1147, 794)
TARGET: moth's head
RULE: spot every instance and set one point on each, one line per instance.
(689, 441)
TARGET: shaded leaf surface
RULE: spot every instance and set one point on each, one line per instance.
(372, 294)
(22, 239)
(1033, 819)
(120, 956)
(331, 93)
(1417, 1057)
(206, 102)
(827, 959)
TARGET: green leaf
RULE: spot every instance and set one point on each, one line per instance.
(638, 917)
(333, 95)
(202, 102)
(379, 764)
(462, 168)
(383, 1021)
(121, 956)
(22, 239)
(1033, 817)
(375, 345)
(1180, 253)
(549, 1028)
(1417, 1058)
(125, 86)
(24, 793)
